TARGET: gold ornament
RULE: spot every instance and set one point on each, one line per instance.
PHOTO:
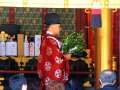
(3, 36)
(66, 33)
(34, 21)
(1, 8)
(27, 9)
(20, 21)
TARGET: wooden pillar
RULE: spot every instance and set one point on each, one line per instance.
(104, 44)
(98, 58)
(106, 39)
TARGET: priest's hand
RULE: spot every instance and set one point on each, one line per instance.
(67, 56)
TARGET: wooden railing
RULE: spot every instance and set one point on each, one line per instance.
(35, 72)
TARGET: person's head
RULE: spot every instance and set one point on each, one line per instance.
(107, 77)
(55, 85)
(52, 22)
(118, 87)
(33, 84)
(17, 82)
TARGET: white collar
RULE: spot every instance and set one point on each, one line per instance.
(48, 32)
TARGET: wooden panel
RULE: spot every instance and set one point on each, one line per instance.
(20, 44)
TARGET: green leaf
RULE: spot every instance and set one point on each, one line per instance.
(73, 43)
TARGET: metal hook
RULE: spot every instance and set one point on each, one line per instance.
(87, 10)
(114, 10)
(87, 27)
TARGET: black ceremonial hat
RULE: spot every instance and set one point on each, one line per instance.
(52, 18)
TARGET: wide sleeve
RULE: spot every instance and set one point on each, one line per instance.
(60, 66)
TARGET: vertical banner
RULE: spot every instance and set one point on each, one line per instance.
(44, 12)
(116, 40)
(116, 32)
(81, 22)
(78, 23)
(11, 15)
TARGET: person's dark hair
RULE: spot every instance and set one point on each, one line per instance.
(33, 84)
(108, 76)
(16, 82)
(55, 85)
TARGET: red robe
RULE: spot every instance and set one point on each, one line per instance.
(51, 63)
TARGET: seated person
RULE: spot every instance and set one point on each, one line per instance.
(33, 84)
(118, 87)
(73, 84)
(55, 85)
(107, 80)
(18, 82)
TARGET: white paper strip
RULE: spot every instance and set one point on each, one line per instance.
(32, 49)
(26, 49)
(2, 48)
(37, 44)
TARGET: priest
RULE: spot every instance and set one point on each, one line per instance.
(52, 64)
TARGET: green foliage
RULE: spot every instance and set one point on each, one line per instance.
(73, 43)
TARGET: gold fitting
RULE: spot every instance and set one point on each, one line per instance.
(114, 63)
(87, 27)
